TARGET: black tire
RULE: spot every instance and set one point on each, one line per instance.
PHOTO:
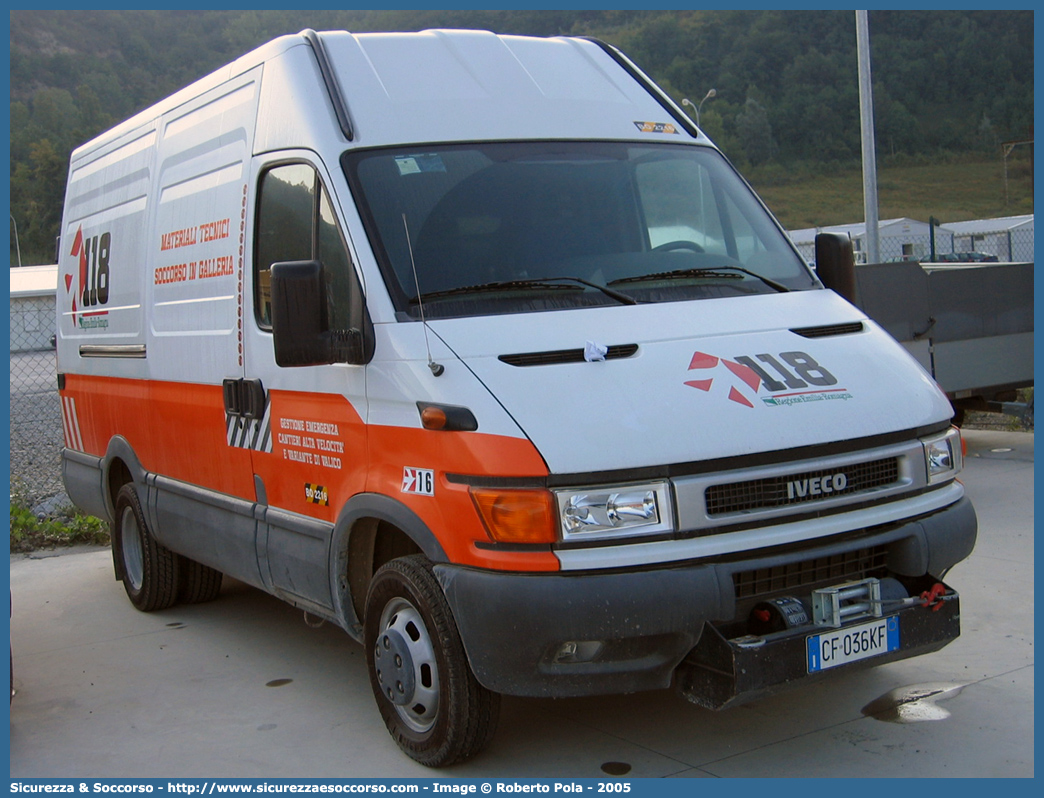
(149, 570)
(197, 583)
(433, 706)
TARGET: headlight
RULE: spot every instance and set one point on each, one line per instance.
(607, 512)
(943, 456)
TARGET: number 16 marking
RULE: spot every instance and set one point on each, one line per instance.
(419, 481)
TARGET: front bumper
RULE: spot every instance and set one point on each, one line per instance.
(719, 673)
(638, 625)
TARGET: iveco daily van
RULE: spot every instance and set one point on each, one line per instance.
(477, 347)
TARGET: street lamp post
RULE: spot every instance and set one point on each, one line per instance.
(18, 249)
(866, 118)
(695, 107)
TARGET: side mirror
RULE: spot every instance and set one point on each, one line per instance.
(835, 264)
(300, 330)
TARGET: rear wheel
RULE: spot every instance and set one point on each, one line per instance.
(431, 702)
(197, 583)
(149, 570)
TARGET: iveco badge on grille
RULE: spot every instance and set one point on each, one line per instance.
(817, 486)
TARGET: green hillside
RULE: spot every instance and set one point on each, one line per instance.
(949, 88)
(951, 191)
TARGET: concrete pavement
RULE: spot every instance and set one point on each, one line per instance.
(242, 687)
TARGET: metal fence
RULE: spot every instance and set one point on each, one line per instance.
(1011, 246)
(36, 424)
(1007, 245)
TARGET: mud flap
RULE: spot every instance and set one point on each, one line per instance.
(720, 673)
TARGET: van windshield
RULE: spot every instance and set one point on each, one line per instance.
(479, 229)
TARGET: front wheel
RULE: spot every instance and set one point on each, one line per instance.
(433, 706)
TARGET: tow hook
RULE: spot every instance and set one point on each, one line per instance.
(936, 596)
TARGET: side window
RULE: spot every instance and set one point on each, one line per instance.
(295, 221)
(285, 209)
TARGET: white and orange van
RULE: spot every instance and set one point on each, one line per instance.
(477, 347)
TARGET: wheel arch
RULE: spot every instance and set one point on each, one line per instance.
(372, 529)
(120, 465)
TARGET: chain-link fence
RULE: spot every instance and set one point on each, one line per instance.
(1000, 245)
(1004, 246)
(36, 424)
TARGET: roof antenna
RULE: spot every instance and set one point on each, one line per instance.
(436, 368)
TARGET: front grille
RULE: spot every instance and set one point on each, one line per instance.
(801, 576)
(792, 489)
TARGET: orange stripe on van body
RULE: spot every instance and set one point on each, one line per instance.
(318, 441)
(176, 429)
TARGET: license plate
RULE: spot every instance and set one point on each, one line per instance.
(852, 643)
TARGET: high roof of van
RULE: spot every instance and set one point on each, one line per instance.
(443, 85)
(455, 85)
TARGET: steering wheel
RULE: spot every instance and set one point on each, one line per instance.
(670, 246)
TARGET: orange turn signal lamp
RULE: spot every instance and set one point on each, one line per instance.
(446, 418)
(514, 515)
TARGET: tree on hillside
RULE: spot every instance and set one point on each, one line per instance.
(755, 133)
(937, 75)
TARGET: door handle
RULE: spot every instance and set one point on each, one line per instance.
(244, 397)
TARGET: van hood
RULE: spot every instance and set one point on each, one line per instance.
(692, 381)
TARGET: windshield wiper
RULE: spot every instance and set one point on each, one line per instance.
(717, 271)
(544, 283)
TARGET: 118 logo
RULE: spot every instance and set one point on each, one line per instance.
(746, 374)
(93, 253)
